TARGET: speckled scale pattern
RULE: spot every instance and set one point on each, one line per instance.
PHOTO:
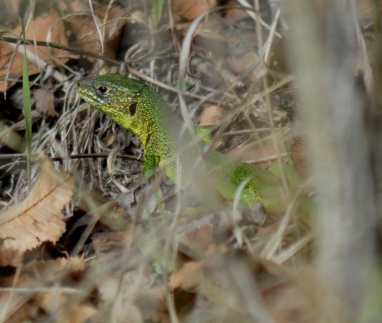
(159, 130)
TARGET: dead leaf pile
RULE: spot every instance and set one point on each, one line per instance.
(48, 27)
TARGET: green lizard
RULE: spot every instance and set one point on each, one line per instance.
(138, 108)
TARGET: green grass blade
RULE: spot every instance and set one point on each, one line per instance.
(27, 111)
(158, 9)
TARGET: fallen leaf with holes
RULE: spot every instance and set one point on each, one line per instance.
(42, 28)
(38, 218)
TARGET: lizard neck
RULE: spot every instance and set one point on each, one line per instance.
(156, 125)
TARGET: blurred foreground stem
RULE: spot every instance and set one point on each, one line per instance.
(323, 54)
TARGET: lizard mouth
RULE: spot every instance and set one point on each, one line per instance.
(89, 95)
(86, 93)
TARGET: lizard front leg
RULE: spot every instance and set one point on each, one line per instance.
(151, 163)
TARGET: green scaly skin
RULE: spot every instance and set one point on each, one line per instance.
(138, 108)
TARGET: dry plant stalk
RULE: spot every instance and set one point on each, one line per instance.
(323, 52)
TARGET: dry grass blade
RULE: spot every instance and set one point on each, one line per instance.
(38, 218)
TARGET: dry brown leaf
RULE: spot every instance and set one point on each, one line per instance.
(104, 240)
(139, 297)
(64, 309)
(52, 270)
(233, 15)
(38, 218)
(300, 157)
(278, 62)
(289, 300)
(108, 246)
(22, 314)
(78, 6)
(268, 231)
(44, 100)
(128, 310)
(17, 308)
(11, 138)
(89, 39)
(254, 152)
(36, 275)
(42, 274)
(81, 313)
(242, 64)
(188, 277)
(38, 30)
(198, 240)
(191, 9)
(213, 115)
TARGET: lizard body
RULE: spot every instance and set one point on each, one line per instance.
(140, 109)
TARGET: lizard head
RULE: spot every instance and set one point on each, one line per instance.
(115, 95)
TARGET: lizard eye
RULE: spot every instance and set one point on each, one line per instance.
(133, 108)
(102, 90)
